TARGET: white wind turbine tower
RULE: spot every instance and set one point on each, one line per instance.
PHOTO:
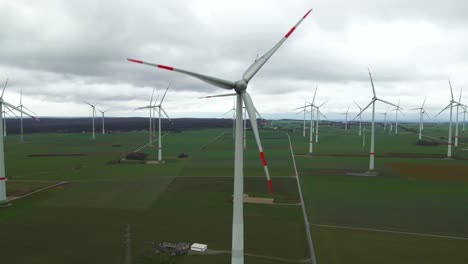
(346, 118)
(240, 86)
(464, 117)
(304, 122)
(311, 105)
(94, 113)
(21, 107)
(450, 105)
(233, 110)
(397, 109)
(150, 107)
(374, 99)
(3, 197)
(317, 118)
(385, 120)
(103, 119)
(422, 112)
(360, 119)
(160, 108)
(456, 117)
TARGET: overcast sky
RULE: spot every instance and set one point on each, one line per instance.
(62, 52)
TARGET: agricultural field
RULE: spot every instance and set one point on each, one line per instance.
(413, 211)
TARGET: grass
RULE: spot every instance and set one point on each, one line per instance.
(191, 199)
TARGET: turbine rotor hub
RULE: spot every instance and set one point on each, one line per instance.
(240, 86)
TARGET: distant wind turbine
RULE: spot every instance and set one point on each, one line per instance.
(317, 119)
(422, 112)
(360, 119)
(397, 110)
(22, 107)
(94, 113)
(450, 105)
(374, 99)
(103, 119)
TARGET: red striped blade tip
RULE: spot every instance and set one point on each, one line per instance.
(270, 184)
(136, 61)
(169, 68)
(290, 32)
(308, 12)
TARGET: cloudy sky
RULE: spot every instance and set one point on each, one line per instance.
(62, 52)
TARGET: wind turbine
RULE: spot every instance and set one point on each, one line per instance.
(422, 112)
(317, 118)
(94, 113)
(346, 118)
(456, 117)
(21, 106)
(3, 197)
(239, 87)
(374, 99)
(360, 119)
(103, 112)
(160, 108)
(151, 121)
(304, 122)
(385, 120)
(233, 110)
(450, 105)
(311, 105)
(397, 109)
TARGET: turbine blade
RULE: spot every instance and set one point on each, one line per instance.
(166, 114)
(4, 87)
(208, 79)
(323, 104)
(253, 122)
(424, 102)
(155, 100)
(315, 93)
(144, 107)
(427, 115)
(152, 94)
(258, 64)
(323, 115)
(29, 110)
(362, 111)
(449, 105)
(19, 110)
(164, 96)
(386, 102)
(88, 103)
(451, 90)
(358, 106)
(372, 83)
(10, 111)
(303, 107)
(228, 112)
(219, 95)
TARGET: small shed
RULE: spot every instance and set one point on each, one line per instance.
(199, 247)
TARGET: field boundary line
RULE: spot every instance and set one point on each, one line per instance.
(40, 190)
(313, 258)
(391, 231)
(214, 139)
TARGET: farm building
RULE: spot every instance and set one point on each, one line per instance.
(198, 247)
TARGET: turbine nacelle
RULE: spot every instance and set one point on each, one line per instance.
(240, 86)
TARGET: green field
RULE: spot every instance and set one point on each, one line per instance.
(396, 217)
